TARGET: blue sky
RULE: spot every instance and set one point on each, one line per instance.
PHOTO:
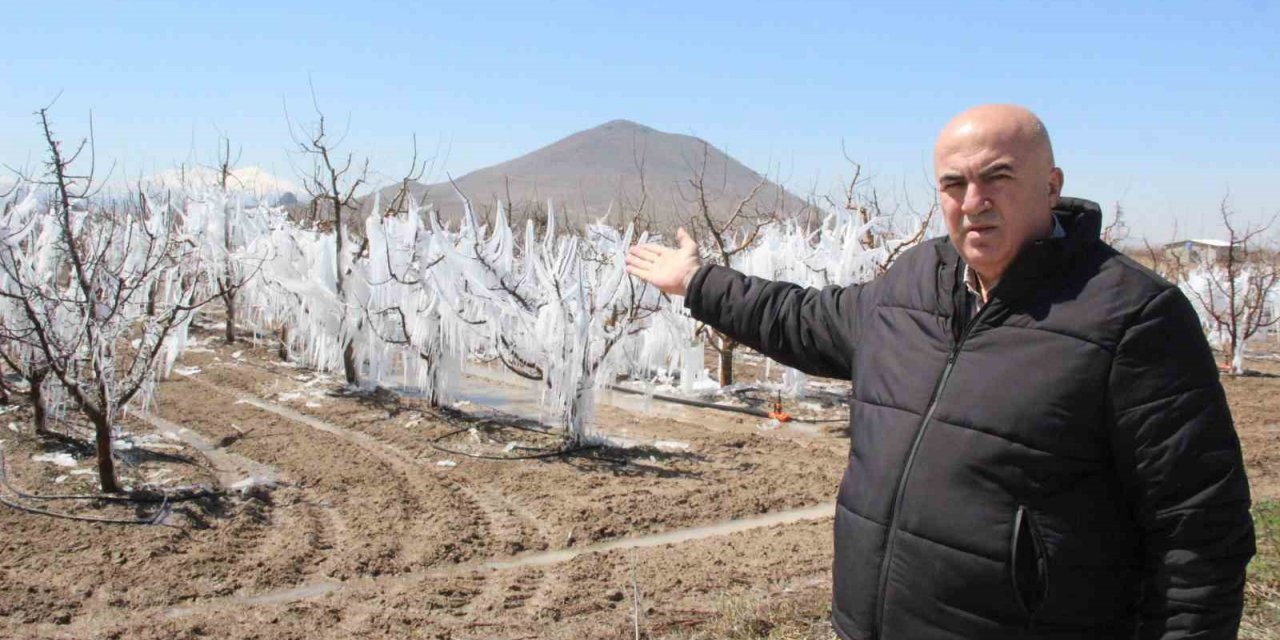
(1166, 107)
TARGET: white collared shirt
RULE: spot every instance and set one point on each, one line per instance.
(971, 277)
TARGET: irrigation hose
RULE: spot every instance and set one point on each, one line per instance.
(759, 413)
(193, 492)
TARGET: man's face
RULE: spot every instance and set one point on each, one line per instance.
(997, 187)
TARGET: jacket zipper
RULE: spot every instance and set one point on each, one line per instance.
(1023, 518)
(911, 458)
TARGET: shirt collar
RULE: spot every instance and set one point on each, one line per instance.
(971, 277)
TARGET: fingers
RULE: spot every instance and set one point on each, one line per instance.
(639, 266)
(649, 251)
(640, 272)
(636, 261)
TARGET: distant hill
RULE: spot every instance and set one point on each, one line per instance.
(598, 171)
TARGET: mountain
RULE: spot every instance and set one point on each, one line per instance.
(598, 171)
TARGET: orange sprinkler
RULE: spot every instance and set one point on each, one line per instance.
(777, 413)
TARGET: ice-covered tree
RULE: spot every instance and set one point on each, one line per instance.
(1235, 296)
(551, 308)
(101, 291)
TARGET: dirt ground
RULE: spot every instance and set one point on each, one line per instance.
(373, 531)
(370, 516)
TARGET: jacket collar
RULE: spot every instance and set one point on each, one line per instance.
(1040, 261)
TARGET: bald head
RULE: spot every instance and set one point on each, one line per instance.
(997, 184)
(1007, 124)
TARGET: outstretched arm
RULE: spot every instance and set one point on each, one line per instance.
(813, 330)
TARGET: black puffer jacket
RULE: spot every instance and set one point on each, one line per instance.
(1062, 465)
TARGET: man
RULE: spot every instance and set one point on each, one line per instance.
(1040, 444)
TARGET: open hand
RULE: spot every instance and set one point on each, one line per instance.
(665, 268)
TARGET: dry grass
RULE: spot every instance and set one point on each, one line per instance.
(802, 614)
(1262, 590)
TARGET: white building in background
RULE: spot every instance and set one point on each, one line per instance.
(1202, 252)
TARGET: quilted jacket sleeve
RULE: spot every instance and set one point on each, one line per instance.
(1179, 462)
(813, 330)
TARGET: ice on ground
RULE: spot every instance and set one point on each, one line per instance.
(248, 484)
(312, 405)
(13, 427)
(770, 425)
(164, 446)
(671, 445)
(60, 479)
(446, 463)
(60, 459)
(186, 371)
(288, 396)
(237, 355)
(83, 472)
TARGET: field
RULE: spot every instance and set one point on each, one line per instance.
(371, 517)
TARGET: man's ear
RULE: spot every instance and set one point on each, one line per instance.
(1055, 186)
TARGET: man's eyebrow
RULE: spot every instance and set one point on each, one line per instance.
(950, 175)
(1000, 166)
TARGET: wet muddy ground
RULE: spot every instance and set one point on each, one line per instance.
(376, 516)
(370, 516)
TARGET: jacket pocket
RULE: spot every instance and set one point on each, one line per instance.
(1028, 565)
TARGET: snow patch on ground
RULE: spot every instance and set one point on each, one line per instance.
(248, 484)
(186, 371)
(60, 459)
(671, 445)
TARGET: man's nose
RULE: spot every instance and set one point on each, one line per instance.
(975, 199)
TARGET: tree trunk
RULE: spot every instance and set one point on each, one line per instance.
(39, 414)
(726, 367)
(230, 299)
(433, 378)
(349, 364)
(106, 465)
(579, 413)
(283, 350)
